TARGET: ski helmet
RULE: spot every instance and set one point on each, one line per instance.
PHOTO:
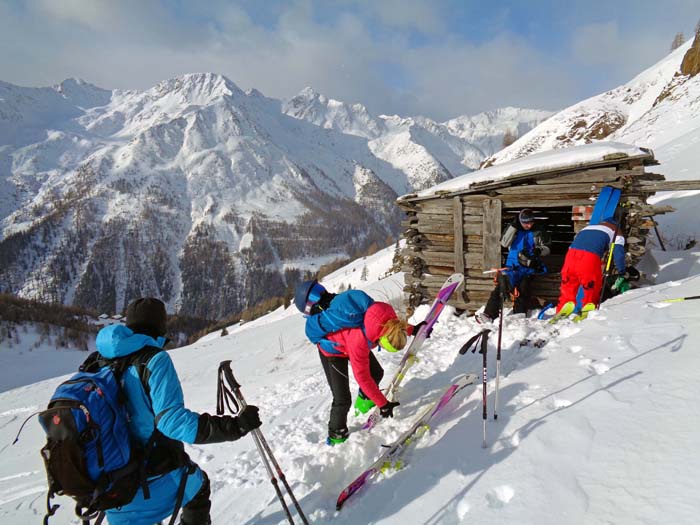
(526, 216)
(307, 294)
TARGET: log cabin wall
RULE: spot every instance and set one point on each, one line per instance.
(460, 231)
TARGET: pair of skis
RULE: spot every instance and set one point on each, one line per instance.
(391, 457)
(409, 356)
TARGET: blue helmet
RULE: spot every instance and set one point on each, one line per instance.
(307, 294)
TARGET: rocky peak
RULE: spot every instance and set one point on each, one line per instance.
(691, 61)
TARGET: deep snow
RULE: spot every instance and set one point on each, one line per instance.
(598, 425)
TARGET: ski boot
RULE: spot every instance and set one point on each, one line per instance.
(336, 437)
(362, 404)
(589, 307)
(565, 312)
(482, 318)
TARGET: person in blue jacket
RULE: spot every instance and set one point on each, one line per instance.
(526, 247)
(157, 411)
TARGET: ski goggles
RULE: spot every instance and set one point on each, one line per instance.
(386, 345)
(313, 297)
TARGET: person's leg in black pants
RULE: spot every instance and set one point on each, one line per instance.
(503, 288)
(196, 512)
(522, 301)
(336, 370)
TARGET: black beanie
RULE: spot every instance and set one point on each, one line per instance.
(147, 316)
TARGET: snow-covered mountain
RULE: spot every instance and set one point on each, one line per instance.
(428, 151)
(597, 421)
(197, 192)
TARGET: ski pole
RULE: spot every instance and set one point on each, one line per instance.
(473, 342)
(484, 342)
(607, 267)
(494, 270)
(681, 299)
(235, 396)
(498, 361)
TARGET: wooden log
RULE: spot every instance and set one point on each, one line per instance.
(459, 234)
(492, 234)
(444, 207)
(572, 189)
(447, 228)
(544, 201)
(670, 185)
(598, 175)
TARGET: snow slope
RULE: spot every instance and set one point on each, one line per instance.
(598, 421)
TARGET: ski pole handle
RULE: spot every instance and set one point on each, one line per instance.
(228, 373)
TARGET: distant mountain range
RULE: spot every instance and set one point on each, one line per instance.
(202, 194)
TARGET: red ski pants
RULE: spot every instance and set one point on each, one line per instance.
(581, 268)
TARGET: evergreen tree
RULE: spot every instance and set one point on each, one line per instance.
(509, 138)
(363, 276)
(678, 41)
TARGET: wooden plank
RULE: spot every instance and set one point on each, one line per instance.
(448, 228)
(459, 234)
(444, 207)
(670, 185)
(557, 189)
(607, 174)
(492, 234)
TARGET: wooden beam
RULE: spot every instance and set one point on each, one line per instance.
(670, 185)
(492, 234)
(459, 234)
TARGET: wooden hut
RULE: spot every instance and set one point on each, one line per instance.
(456, 226)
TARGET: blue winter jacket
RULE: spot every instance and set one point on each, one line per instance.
(596, 239)
(176, 422)
(524, 241)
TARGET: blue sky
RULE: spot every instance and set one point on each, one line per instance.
(436, 58)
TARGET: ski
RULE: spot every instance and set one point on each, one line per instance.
(390, 458)
(605, 205)
(565, 312)
(409, 357)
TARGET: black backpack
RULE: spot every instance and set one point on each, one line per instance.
(89, 453)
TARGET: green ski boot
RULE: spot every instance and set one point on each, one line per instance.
(336, 437)
(589, 307)
(363, 405)
(565, 312)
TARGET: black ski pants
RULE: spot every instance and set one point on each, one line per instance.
(504, 288)
(336, 369)
(196, 512)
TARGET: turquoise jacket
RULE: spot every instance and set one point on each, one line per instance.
(164, 400)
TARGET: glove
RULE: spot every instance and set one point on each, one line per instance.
(388, 409)
(419, 326)
(524, 259)
(537, 251)
(248, 419)
(217, 429)
(631, 273)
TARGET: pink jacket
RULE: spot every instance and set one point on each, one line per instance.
(353, 344)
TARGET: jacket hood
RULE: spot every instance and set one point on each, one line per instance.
(118, 341)
(375, 317)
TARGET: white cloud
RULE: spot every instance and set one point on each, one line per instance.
(361, 54)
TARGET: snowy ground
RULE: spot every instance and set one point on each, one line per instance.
(599, 425)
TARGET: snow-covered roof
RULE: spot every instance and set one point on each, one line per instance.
(573, 157)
